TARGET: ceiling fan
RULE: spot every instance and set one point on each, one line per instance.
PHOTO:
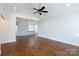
(40, 10)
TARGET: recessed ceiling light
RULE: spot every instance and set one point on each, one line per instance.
(14, 7)
(68, 4)
(77, 34)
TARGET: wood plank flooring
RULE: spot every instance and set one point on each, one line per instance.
(42, 47)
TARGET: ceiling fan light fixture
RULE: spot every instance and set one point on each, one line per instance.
(41, 16)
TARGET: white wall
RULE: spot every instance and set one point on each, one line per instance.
(63, 26)
(7, 27)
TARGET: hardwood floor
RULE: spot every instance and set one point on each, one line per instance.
(43, 47)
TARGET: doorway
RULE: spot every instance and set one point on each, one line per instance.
(27, 30)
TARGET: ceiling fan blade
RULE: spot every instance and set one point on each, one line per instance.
(42, 8)
(45, 11)
(35, 9)
(35, 12)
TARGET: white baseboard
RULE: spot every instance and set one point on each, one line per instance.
(58, 40)
(8, 41)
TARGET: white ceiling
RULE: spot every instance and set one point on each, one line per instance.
(26, 9)
(57, 9)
